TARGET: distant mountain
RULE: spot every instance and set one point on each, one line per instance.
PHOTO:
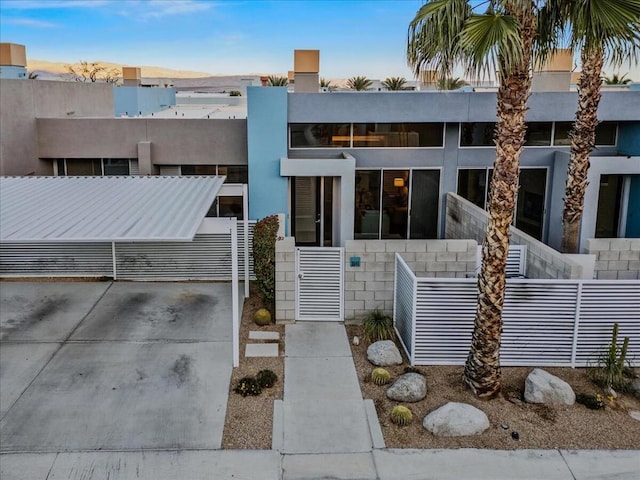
(58, 68)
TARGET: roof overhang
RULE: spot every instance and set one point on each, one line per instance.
(104, 209)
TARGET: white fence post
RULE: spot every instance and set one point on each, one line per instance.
(576, 325)
(414, 321)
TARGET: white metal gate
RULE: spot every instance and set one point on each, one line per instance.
(319, 288)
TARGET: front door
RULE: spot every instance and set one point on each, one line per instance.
(312, 202)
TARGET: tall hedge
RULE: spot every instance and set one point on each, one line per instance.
(265, 234)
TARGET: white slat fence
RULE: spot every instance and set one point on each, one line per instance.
(545, 322)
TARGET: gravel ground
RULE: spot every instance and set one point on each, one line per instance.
(538, 426)
(249, 420)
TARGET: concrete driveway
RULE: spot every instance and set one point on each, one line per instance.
(87, 367)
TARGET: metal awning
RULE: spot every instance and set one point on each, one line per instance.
(99, 209)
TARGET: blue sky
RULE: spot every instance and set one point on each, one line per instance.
(354, 37)
(219, 37)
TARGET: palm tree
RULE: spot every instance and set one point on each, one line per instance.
(601, 29)
(276, 81)
(616, 79)
(359, 83)
(451, 83)
(324, 83)
(394, 83)
(442, 34)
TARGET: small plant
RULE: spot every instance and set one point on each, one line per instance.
(401, 415)
(610, 370)
(248, 386)
(262, 317)
(266, 378)
(380, 376)
(235, 93)
(378, 326)
(593, 402)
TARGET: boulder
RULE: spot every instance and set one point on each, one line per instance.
(456, 420)
(542, 387)
(410, 387)
(384, 353)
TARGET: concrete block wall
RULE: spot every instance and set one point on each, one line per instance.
(466, 220)
(616, 258)
(370, 285)
(285, 280)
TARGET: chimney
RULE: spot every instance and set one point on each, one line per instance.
(555, 74)
(306, 68)
(13, 61)
(131, 76)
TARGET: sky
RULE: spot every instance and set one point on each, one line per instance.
(219, 37)
(228, 37)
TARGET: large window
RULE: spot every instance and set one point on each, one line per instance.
(396, 204)
(606, 133)
(366, 135)
(223, 206)
(538, 134)
(398, 135)
(477, 134)
(474, 183)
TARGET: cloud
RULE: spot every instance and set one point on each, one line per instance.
(51, 4)
(30, 22)
(147, 9)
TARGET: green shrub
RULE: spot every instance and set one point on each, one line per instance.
(248, 386)
(378, 326)
(266, 378)
(235, 93)
(380, 376)
(610, 370)
(592, 402)
(265, 234)
(401, 415)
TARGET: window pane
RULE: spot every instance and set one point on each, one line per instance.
(561, 134)
(367, 204)
(472, 185)
(197, 169)
(230, 207)
(116, 166)
(234, 173)
(530, 209)
(397, 134)
(395, 201)
(83, 167)
(606, 133)
(320, 135)
(478, 134)
(425, 193)
(538, 134)
(60, 166)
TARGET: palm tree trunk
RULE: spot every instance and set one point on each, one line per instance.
(583, 139)
(482, 369)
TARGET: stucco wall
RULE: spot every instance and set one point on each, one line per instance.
(616, 258)
(466, 220)
(173, 141)
(21, 101)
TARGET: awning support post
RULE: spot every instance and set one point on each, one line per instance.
(245, 216)
(113, 258)
(235, 306)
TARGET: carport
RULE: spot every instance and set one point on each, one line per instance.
(99, 210)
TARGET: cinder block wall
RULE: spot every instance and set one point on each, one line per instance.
(466, 220)
(285, 280)
(616, 258)
(370, 285)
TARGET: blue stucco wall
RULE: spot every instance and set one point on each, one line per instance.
(629, 138)
(132, 101)
(267, 143)
(12, 71)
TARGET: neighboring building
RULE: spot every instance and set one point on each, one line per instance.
(13, 61)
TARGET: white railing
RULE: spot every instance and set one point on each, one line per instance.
(545, 322)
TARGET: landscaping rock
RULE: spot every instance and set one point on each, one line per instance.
(542, 387)
(635, 414)
(410, 387)
(456, 420)
(384, 353)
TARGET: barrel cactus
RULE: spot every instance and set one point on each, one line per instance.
(262, 317)
(401, 415)
(380, 376)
